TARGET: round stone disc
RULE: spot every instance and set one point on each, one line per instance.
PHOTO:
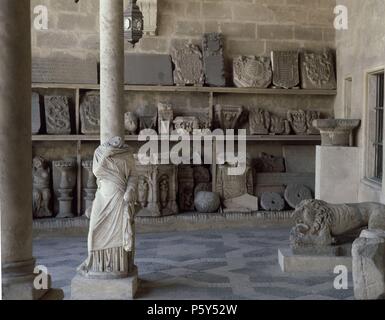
(272, 201)
(296, 193)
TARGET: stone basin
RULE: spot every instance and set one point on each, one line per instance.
(336, 132)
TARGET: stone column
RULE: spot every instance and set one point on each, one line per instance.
(111, 69)
(16, 149)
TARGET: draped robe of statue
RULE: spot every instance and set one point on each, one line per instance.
(111, 232)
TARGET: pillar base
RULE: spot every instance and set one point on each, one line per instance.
(83, 288)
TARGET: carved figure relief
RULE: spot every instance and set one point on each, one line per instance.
(188, 66)
(90, 114)
(41, 175)
(252, 72)
(57, 115)
(285, 69)
(297, 120)
(259, 121)
(317, 70)
(270, 163)
(130, 123)
(165, 115)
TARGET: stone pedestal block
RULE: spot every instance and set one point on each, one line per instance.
(368, 254)
(83, 288)
(336, 174)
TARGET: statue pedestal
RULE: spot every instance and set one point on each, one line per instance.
(290, 262)
(83, 288)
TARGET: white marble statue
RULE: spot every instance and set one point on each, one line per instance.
(111, 238)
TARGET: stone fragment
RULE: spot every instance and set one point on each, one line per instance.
(36, 115)
(188, 66)
(297, 120)
(336, 132)
(186, 188)
(90, 113)
(317, 70)
(252, 72)
(64, 70)
(148, 69)
(57, 115)
(165, 117)
(279, 125)
(130, 123)
(368, 255)
(213, 59)
(296, 193)
(228, 116)
(269, 163)
(41, 177)
(207, 202)
(259, 121)
(148, 116)
(242, 203)
(285, 69)
(149, 9)
(186, 125)
(272, 201)
(310, 117)
(66, 187)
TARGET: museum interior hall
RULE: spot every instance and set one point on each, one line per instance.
(192, 149)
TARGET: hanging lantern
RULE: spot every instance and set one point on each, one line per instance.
(133, 23)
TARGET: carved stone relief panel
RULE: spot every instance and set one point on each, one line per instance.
(188, 66)
(285, 69)
(252, 72)
(318, 70)
(90, 113)
(41, 177)
(186, 125)
(310, 117)
(228, 116)
(165, 115)
(259, 121)
(57, 115)
(297, 120)
(279, 125)
(213, 59)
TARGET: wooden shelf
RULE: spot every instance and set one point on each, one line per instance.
(191, 89)
(133, 138)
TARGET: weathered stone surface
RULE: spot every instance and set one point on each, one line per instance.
(297, 120)
(296, 193)
(335, 181)
(64, 70)
(186, 188)
(285, 69)
(148, 116)
(57, 115)
(90, 113)
(83, 288)
(272, 201)
(336, 132)
(310, 117)
(279, 125)
(317, 70)
(244, 202)
(165, 115)
(269, 163)
(185, 125)
(89, 187)
(203, 186)
(207, 202)
(130, 123)
(213, 59)
(252, 72)
(41, 178)
(368, 254)
(259, 121)
(148, 69)
(188, 66)
(65, 189)
(228, 116)
(299, 159)
(36, 114)
(149, 9)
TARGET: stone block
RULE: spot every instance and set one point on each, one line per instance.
(336, 182)
(57, 114)
(90, 113)
(213, 59)
(368, 254)
(83, 288)
(148, 69)
(290, 262)
(243, 203)
(64, 70)
(299, 159)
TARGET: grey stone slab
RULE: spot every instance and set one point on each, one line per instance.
(90, 113)
(148, 69)
(57, 114)
(64, 70)
(290, 262)
(285, 69)
(296, 193)
(272, 201)
(213, 59)
(299, 159)
(36, 114)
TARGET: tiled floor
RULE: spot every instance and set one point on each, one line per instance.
(224, 264)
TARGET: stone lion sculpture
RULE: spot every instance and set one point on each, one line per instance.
(319, 223)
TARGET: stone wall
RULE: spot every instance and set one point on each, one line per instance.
(360, 49)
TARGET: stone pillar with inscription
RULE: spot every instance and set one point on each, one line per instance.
(111, 69)
(17, 261)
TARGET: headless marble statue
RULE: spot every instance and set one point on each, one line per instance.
(111, 238)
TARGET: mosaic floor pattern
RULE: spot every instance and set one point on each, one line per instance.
(209, 264)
